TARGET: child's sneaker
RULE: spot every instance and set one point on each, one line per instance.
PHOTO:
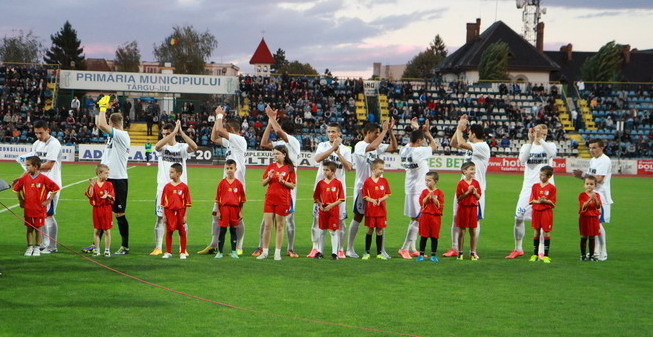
(218, 255)
(96, 252)
(584, 258)
(44, 250)
(277, 257)
(156, 252)
(258, 252)
(381, 257)
(352, 254)
(166, 255)
(473, 256)
(239, 252)
(261, 255)
(420, 258)
(450, 253)
(207, 251)
(234, 254)
(460, 256)
(183, 256)
(29, 251)
(546, 259)
(404, 254)
(385, 255)
(341, 254)
(107, 253)
(434, 258)
(533, 258)
(334, 257)
(595, 259)
(365, 256)
(122, 251)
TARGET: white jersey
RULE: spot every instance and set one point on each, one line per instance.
(50, 150)
(345, 151)
(362, 162)
(116, 154)
(534, 157)
(602, 166)
(480, 156)
(414, 161)
(169, 155)
(294, 148)
(236, 147)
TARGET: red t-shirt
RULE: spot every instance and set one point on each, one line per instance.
(96, 199)
(278, 193)
(429, 207)
(230, 194)
(593, 208)
(175, 197)
(328, 193)
(35, 191)
(375, 190)
(548, 191)
(470, 199)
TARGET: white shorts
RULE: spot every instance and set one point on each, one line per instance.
(359, 204)
(412, 205)
(524, 210)
(158, 209)
(481, 207)
(605, 214)
(52, 207)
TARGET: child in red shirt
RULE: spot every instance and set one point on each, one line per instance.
(35, 191)
(101, 196)
(588, 221)
(175, 198)
(280, 178)
(468, 191)
(328, 195)
(430, 218)
(375, 190)
(543, 200)
(228, 209)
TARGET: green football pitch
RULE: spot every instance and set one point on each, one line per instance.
(64, 294)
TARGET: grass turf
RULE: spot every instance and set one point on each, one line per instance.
(64, 294)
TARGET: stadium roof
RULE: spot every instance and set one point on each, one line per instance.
(95, 64)
(262, 54)
(523, 55)
(638, 69)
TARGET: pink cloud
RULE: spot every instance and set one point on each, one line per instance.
(99, 50)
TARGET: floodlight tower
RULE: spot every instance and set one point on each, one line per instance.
(531, 17)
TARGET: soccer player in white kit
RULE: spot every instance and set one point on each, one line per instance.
(365, 152)
(115, 156)
(478, 152)
(332, 150)
(535, 154)
(48, 149)
(601, 168)
(294, 149)
(229, 137)
(414, 159)
(169, 152)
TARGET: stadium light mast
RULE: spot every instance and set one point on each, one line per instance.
(531, 16)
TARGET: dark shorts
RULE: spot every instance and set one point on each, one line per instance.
(120, 186)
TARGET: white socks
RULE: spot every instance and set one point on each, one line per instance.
(411, 236)
(159, 231)
(520, 231)
(290, 230)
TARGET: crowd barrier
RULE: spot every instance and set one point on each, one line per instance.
(204, 155)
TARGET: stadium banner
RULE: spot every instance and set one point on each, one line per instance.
(630, 167)
(169, 83)
(512, 164)
(12, 151)
(645, 167)
(93, 152)
(446, 163)
(371, 88)
(264, 158)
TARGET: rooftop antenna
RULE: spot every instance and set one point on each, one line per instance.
(531, 15)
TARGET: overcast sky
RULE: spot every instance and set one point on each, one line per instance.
(344, 36)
